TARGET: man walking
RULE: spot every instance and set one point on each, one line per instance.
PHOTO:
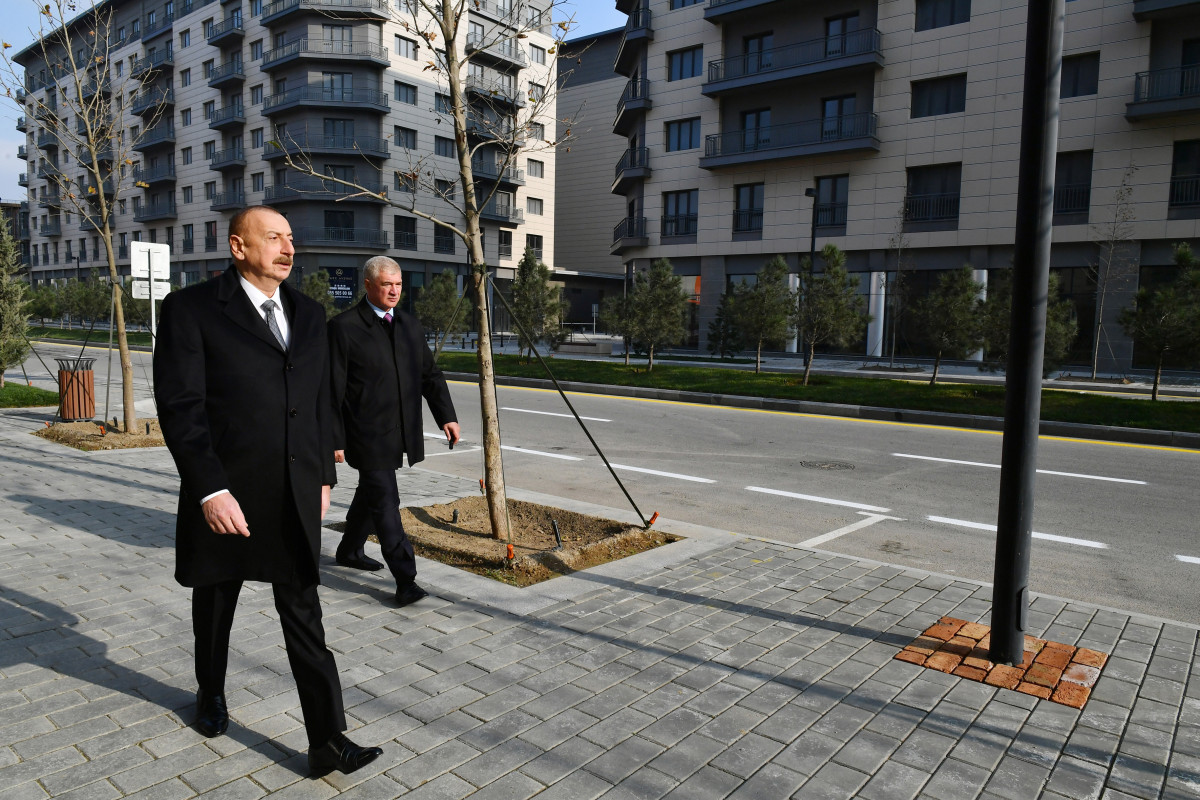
(381, 368)
(241, 381)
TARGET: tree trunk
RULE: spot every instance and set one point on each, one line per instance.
(625, 343)
(937, 363)
(758, 359)
(493, 466)
(808, 352)
(118, 321)
(1157, 377)
(650, 363)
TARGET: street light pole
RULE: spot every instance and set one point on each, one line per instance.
(806, 274)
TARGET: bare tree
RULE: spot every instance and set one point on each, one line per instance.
(491, 120)
(1115, 259)
(74, 50)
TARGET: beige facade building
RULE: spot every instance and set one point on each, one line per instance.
(212, 97)
(741, 123)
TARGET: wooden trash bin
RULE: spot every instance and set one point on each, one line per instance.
(76, 389)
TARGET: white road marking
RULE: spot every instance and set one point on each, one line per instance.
(676, 475)
(815, 499)
(1040, 471)
(539, 453)
(1189, 559)
(871, 519)
(1050, 537)
(553, 414)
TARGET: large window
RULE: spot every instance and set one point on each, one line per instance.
(1072, 186)
(406, 48)
(946, 95)
(405, 93)
(748, 207)
(505, 243)
(683, 134)
(534, 206)
(443, 146)
(443, 240)
(683, 64)
(405, 137)
(533, 243)
(680, 212)
(933, 193)
(1185, 175)
(406, 233)
(940, 13)
(833, 194)
(1080, 75)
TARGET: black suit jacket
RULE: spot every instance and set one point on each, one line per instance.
(240, 413)
(377, 387)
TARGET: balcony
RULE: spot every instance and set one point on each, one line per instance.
(22, 152)
(832, 215)
(318, 95)
(329, 145)
(634, 100)
(50, 229)
(21, 126)
(49, 170)
(502, 53)
(326, 50)
(89, 224)
(637, 33)
(813, 137)
(152, 100)
(23, 232)
(92, 190)
(634, 165)
(856, 50)
(47, 140)
(50, 200)
(501, 130)
(1164, 92)
(311, 188)
(940, 207)
(1164, 9)
(489, 170)
(500, 10)
(1184, 192)
(629, 232)
(95, 87)
(152, 63)
(210, 244)
(229, 158)
(679, 225)
(161, 135)
(341, 237)
(227, 75)
(23, 179)
(724, 10)
(227, 31)
(47, 110)
(228, 117)
(496, 91)
(188, 244)
(505, 213)
(228, 200)
(341, 9)
(157, 26)
(163, 209)
(1071, 201)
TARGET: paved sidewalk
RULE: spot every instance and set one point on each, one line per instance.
(722, 666)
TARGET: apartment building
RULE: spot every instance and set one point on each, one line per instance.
(226, 91)
(750, 128)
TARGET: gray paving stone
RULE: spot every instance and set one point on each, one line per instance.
(809, 752)
(832, 782)
(563, 760)
(707, 784)
(490, 766)
(645, 784)
(433, 763)
(894, 781)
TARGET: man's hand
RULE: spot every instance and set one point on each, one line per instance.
(224, 515)
(325, 499)
(339, 456)
(451, 429)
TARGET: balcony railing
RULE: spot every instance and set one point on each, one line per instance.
(831, 215)
(496, 90)
(51, 229)
(153, 62)
(163, 209)
(230, 115)
(637, 91)
(637, 29)
(1185, 191)
(506, 49)
(210, 244)
(21, 126)
(629, 228)
(813, 51)
(50, 200)
(746, 220)
(503, 213)
(931, 207)
(405, 240)
(229, 28)
(318, 189)
(159, 134)
(342, 8)
(230, 156)
(47, 139)
(227, 200)
(443, 242)
(189, 245)
(323, 47)
(680, 225)
(94, 87)
(1167, 84)
(152, 98)
(799, 134)
(633, 163)
(342, 237)
(326, 96)
(490, 170)
(23, 179)
(303, 142)
(1072, 198)
(233, 71)
(22, 152)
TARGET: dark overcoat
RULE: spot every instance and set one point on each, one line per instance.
(379, 376)
(240, 413)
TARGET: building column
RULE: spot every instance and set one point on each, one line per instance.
(876, 306)
(980, 276)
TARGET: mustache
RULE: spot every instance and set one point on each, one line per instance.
(287, 262)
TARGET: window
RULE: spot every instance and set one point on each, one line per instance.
(536, 169)
(185, 117)
(537, 131)
(833, 193)
(443, 240)
(189, 238)
(537, 54)
(1185, 175)
(1072, 186)
(185, 77)
(405, 137)
(445, 189)
(533, 243)
(406, 48)
(256, 7)
(505, 243)
(838, 120)
(680, 212)
(185, 39)
(405, 93)
(210, 108)
(405, 182)
(210, 236)
(120, 69)
(209, 67)
(406, 233)
(536, 91)
(933, 193)
(443, 146)
(683, 3)
(939, 96)
(1080, 75)
(210, 149)
(256, 50)
(256, 137)
(534, 205)
(940, 13)
(210, 190)
(534, 17)
(256, 95)
(683, 64)
(683, 134)
(441, 104)
(135, 28)
(748, 207)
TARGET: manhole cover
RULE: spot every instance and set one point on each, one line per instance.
(826, 465)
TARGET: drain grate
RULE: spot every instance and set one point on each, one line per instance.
(832, 465)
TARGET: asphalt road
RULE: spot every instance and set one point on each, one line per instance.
(1112, 522)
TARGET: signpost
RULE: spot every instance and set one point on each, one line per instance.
(150, 266)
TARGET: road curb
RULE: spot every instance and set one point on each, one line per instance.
(1071, 430)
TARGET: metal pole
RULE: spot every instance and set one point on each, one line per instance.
(112, 312)
(1027, 335)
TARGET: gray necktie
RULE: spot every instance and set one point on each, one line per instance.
(268, 308)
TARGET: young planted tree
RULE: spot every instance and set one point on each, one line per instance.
(764, 312)
(1167, 319)
(537, 304)
(659, 308)
(88, 300)
(45, 303)
(724, 337)
(617, 315)
(75, 46)
(316, 286)
(491, 120)
(14, 315)
(995, 316)
(949, 318)
(895, 299)
(1116, 258)
(830, 309)
(437, 306)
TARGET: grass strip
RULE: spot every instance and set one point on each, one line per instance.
(99, 337)
(18, 395)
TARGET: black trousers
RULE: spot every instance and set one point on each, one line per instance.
(377, 502)
(304, 636)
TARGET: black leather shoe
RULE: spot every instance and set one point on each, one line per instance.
(360, 562)
(341, 754)
(409, 595)
(212, 715)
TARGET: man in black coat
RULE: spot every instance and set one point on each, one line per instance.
(241, 371)
(381, 368)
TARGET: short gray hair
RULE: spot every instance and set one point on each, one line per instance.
(378, 264)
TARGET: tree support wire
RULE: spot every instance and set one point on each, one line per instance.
(574, 413)
(1031, 272)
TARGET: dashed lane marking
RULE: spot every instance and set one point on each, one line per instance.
(1050, 537)
(1040, 471)
(553, 414)
(813, 498)
(660, 473)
